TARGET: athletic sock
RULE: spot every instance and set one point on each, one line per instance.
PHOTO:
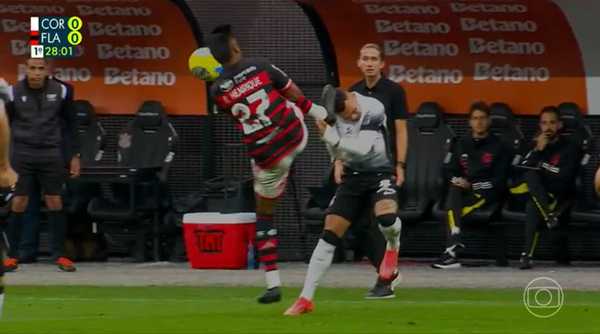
(15, 225)
(392, 234)
(320, 261)
(266, 243)
(58, 224)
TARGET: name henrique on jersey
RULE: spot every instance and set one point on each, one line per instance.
(251, 90)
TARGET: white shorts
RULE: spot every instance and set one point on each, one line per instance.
(270, 183)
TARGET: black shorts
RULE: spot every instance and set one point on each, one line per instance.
(360, 191)
(48, 172)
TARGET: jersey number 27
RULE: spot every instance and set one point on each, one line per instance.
(253, 122)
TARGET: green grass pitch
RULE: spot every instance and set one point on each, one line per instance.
(62, 309)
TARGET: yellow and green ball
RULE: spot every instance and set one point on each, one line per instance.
(203, 65)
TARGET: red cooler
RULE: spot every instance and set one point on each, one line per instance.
(215, 240)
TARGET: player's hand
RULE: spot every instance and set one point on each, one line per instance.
(461, 182)
(8, 177)
(321, 125)
(75, 169)
(541, 142)
(338, 171)
(399, 175)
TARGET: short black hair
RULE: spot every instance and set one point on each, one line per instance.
(551, 110)
(479, 106)
(29, 57)
(218, 43)
(340, 101)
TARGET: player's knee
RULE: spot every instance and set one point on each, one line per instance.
(331, 238)
(19, 204)
(54, 203)
(385, 207)
(336, 224)
(386, 220)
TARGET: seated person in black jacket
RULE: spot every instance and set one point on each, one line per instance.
(477, 178)
(553, 165)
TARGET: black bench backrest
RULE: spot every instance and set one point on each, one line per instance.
(149, 140)
(576, 129)
(89, 131)
(429, 140)
(505, 126)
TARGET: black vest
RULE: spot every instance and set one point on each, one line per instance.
(37, 121)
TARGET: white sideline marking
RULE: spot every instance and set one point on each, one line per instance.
(201, 299)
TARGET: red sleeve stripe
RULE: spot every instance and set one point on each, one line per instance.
(304, 104)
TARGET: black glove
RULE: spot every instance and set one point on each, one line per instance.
(328, 102)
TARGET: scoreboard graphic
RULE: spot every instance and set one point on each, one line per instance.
(55, 36)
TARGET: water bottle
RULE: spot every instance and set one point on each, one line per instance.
(250, 257)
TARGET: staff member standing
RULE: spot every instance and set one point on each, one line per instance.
(8, 177)
(392, 96)
(37, 112)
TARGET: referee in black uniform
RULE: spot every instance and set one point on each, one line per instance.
(37, 111)
(392, 96)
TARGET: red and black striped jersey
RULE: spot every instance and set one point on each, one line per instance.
(251, 91)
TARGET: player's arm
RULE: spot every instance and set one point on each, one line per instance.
(399, 115)
(337, 145)
(286, 86)
(8, 177)
(566, 170)
(4, 137)
(532, 159)
(4, 125)
(453, 166)
(69, 117)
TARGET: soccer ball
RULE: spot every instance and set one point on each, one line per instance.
(203, 65)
